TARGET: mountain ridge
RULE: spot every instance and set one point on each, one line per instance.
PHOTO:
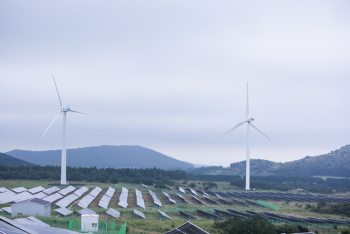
(102, 157)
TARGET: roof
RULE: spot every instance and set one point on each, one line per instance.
(188, 228)
(36, 200)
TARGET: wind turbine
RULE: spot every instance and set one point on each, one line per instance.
(249, 123)
(63, 110)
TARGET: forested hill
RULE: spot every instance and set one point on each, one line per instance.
(6, 160)
(335, 163)
(103, 157)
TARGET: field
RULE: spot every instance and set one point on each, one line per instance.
(155, 223)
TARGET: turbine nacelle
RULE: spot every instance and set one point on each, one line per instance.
(250, 120)
(65, 109)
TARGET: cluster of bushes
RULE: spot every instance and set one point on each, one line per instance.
(340, 208)
(255, 225)
(128, 175)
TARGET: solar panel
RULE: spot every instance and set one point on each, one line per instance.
(18, 225)
(6, 197)
(64, 211)
(104, 201)
(67, 200)
(139, 199)
(86, 201)
(7, 209)
(194, 192)
(51, 190)
(167, 186)
(114, 213)
(155, 199)
(39, 195)
(19, 190)
(186, 214)
(53, 197)
(164, 214)
(169, 198)
(37, 221)
(86, 211)
(140, 214)
(123, 198)
(110, 192)
(198, 200)
(144, 185)
(24, 221)
(35, 190)
(95, 192)
(215, 202)
(67, 190)
(2, 190)
(21, 196)
(81, 191)
(182, 190)
(180, 196)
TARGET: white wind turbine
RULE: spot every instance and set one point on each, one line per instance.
(249, 123)
(63, 110)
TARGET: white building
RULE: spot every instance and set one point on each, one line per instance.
(33, 206)
(89, 223)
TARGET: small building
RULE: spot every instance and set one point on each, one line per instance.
(89, 223)
(33, 206)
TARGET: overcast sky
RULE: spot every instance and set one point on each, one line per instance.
(172, 75)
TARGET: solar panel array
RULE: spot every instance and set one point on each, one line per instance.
(194, 192)
(164, 214)
(139, 199)
(123, 198)
(53, 197)
(81, 191)
(64, 211)
(51, 190)
(114, 213)
(181, 190)
(155, 198)
(106, 198)
(35, 190)
(199, 201)
(140, 214)
(169, 198)
(2, 190)
(19, 190)
(63, 203)
(86, 211)
(67, 190)
(180, 196)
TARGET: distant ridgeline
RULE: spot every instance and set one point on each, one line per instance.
(335, 163)
(7, 160)
(103, 157)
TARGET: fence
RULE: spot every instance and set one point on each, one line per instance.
(271, 206)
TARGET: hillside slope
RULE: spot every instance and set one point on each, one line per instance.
(103, 157)
(7, 160)
(335, 163)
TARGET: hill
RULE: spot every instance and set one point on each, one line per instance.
(103, 157)
(335, 163)
(7, 160)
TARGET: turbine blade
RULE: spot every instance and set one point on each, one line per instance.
(259, 131)
(247, 107)
(78, 112)
(52, 123)
(57, 90)
(233, 128)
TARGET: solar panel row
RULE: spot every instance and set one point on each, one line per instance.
(139, 199)
(110, 192)
(64, 211)
(63, 203)
(155, 198)
(2, 190)
(19, 190)
(35, 190)
(86, 201)
(114, 213)
(67, 190)
(169, 198)
(123, 198)
(104, 201)
(53, 197)
(51, 190)
(180, 196)
(164, 214)
(95, 192)
(199, 201)
(81, 191)
(194, 192)
(181, 190)
(140, 214)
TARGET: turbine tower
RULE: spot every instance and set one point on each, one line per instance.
(249, 123)
(63, 110)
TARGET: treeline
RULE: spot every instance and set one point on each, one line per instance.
(227, 178)
(339, 208)
(129, 175)
(285, 183)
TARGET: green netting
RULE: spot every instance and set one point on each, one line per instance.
(268, 205)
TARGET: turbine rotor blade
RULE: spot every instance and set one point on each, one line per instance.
(233, 128)
(78, 112)
(259, 131)
(57, 90)
(247, 107)
(51, 123)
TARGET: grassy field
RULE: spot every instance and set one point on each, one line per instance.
(154, 223)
